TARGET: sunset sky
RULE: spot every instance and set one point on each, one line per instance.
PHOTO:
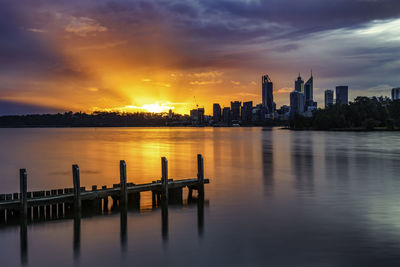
(91, 55)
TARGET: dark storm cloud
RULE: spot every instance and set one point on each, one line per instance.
(18, 45)
(15, 108)
(308, 15)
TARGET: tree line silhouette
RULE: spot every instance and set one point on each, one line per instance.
(365, 113)
(95, 119)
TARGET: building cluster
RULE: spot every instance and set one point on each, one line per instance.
(302, 98)
(246, 112)
(301, 103)
(342, 96)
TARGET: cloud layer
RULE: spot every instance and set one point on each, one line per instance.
(134, 53)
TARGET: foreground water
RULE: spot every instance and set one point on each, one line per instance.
(276, 197)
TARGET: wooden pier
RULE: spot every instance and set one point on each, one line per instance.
(57, 203)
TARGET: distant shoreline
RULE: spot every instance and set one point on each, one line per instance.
(343, 129)
(138, 126)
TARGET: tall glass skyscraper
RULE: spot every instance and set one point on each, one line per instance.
(296, 103)
(267, 94)
(308, 92)
(342, 95)
(328, 98)
(299, 85)
(396, 93)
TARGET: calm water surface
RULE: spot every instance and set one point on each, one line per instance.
(275, 198)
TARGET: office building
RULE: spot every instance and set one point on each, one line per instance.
(342, 95)
(267, 94)
(296, 103)
(235, 109)
(216, 113)
(308, 92)
(247, 110)
(396, 93)
(328, 98)
(258, 113)
(226, 115)
(197, 115)
(299, 85)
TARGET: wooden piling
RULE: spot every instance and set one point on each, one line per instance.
(164, 178)
(23, 190)
(200, 174)
(105, 200)
(60, 206)
(153, 199)
(124, 192)
(29, 196)
(9, 211)
(15, 213)
(77, 187)
(41, 208)
(53, 192)
(2, 212)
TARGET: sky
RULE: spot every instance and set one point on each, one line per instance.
(120, 55)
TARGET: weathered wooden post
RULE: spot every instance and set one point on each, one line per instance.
(60, 205)
(48, 193)
(54, 206)
(41, 208)
(3, 211)
(23, 189)
(77, 188)
(164, 178)
(200, 174)
(124, 192)
(105, 200)
(153, 198)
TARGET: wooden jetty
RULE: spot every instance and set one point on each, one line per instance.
(58, 202)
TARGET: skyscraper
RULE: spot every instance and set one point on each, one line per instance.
(235, 108)
(396, 93)
(342, 95)
(216, 112)
(267, 94)
(328, 98)
(226, 115)
(247, 110)
(296, 103)
(308, 92)
(299, 85)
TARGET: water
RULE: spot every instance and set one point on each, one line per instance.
(276, 197)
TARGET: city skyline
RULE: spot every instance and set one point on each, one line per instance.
(156, 55)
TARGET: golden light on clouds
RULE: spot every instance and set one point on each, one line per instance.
(153, 108)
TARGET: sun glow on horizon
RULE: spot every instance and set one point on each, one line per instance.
(157, 107)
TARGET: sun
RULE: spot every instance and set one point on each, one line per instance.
(157, 108)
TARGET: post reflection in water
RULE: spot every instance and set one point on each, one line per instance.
(303, 162)
(123, 231)
(77, 217)
(24, 241)
(164, 221)
(268, 160)
(77, 236)
(200, 215)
